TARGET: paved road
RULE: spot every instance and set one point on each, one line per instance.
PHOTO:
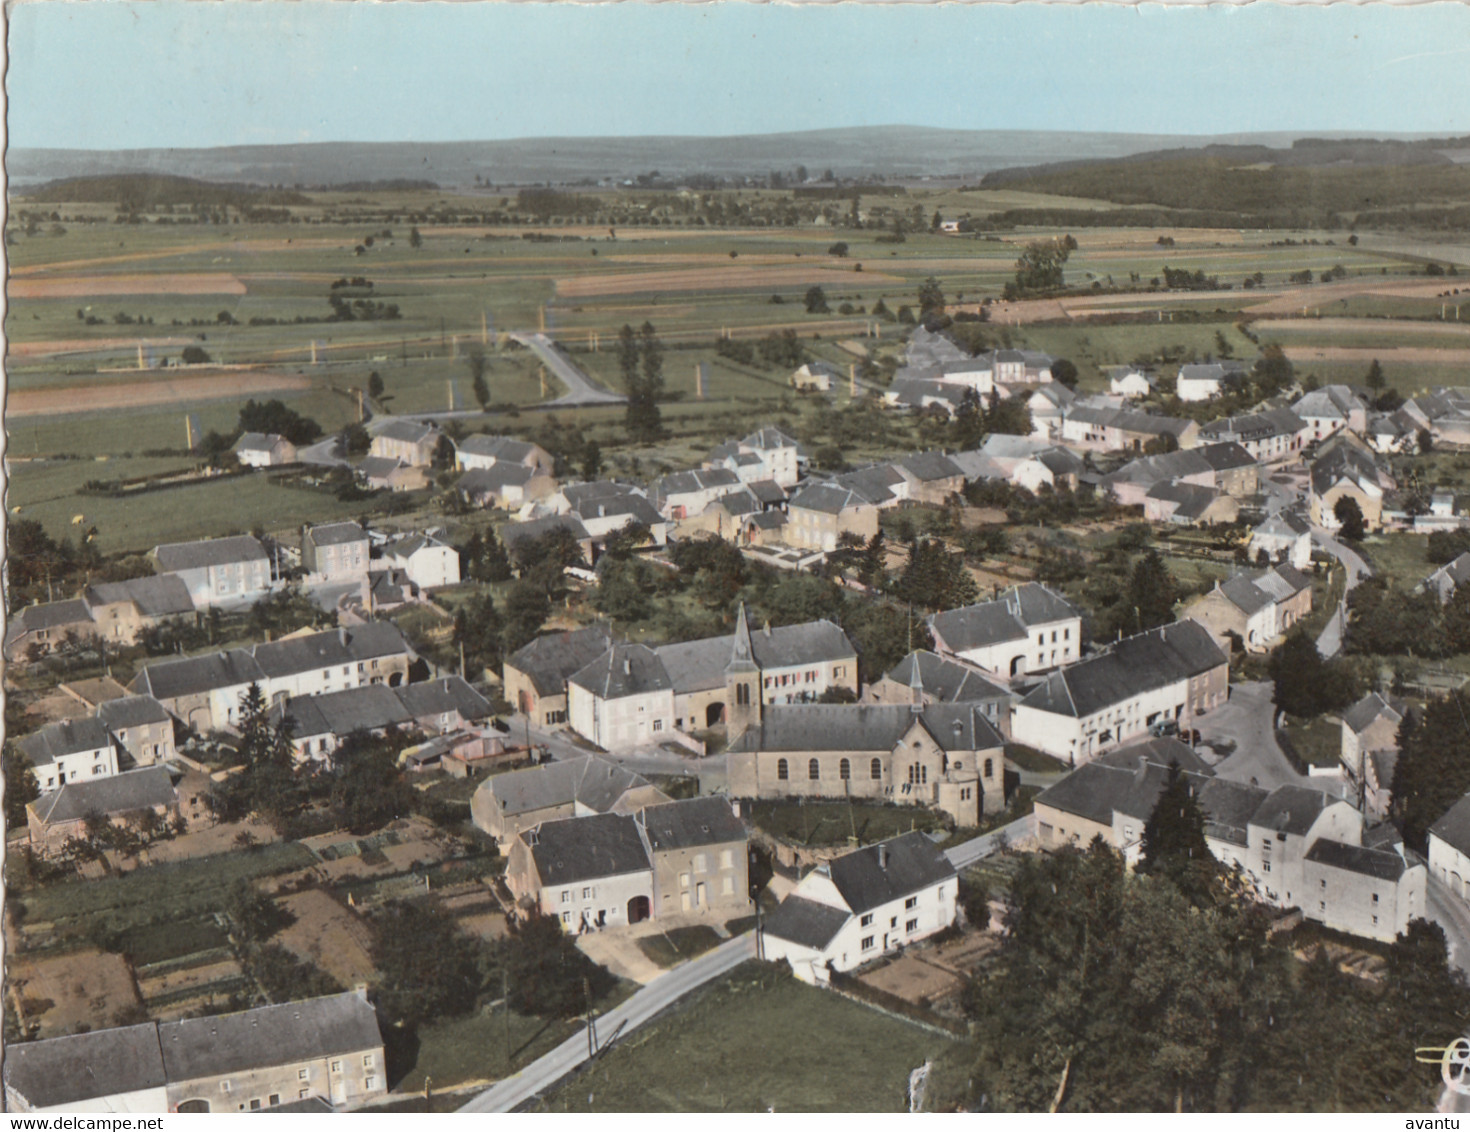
(659, 995)
(580, 388)
(1330, 640)
(965, 855)
(323, 453)
(1247, 719)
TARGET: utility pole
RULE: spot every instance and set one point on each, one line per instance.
(591, 1021)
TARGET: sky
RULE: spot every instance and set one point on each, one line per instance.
(172, 73)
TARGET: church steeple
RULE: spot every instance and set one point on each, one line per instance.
(742, 682)
(916, 684)
(742, 653)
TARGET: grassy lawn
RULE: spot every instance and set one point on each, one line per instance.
(833, 823)
(679, 944)
(1318, 742)
(1400, 557)
(756, 1040)
(157, 893)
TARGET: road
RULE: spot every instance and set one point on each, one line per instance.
(580, 388)
(323, 453)
(1247, 719)
(1329, 642)
(657, 996)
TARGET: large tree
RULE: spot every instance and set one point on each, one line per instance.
(1432, 773)
(1149, 599)
(1174, 841)
(1350, 518)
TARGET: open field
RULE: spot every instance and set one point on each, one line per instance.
(327, 935)
(756, 1040)
(87, 286)
(84, 988)
(174, 391)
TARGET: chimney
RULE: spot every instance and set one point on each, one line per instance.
(883, 857)
(627, 667)
(342, 637)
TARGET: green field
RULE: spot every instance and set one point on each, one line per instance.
(756, 1040)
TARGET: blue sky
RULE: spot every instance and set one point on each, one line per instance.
(108, 74)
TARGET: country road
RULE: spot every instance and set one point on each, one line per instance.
(580, 388)
(1330, 640)
(663, 992)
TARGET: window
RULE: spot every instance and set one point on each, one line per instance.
(875, 769)
(275, 1099)
(911, 926)
(989, 767)
(781, 770)
(587, 894)
(302, 1094)
(370, 1082)
(742, 695)
(893, 921)
(844, 770)
(911, 902)
(867, 943)
(727, 858)
(701, 863)
(302, 1074)
(566, 917)
(566, 896)
(336, 1067)
(813, 769)
(1324, 884)
(866, 921)
(1375, 921)
(1375, 898)
(224, 1086)
(1266, 866)
(1321, 906)
(254, 1104)
(727, 886)
(658, 725)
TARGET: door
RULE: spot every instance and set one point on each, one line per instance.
(684, 899)
(700, 899)
(637, 909)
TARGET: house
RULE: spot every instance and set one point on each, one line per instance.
(513, 535)
(46, 625)
(1021, 460)
(925, 677)
(1226, 467)
(700, 850)
(948, 757)
(682, 494)
(622, 700)
(1331, 409)
(389, 473)
(1392, 432)
(325, 1050)
(1206, 381)
(819, 514)
(61, 814)
(1047, 404)
(413, 443)
(1269, 436)
(1283, 537)
(204, 691)
(219, 571)
(1298, 847)
(1114, 430)
(1100, 703)
(122, 610)
(264, 450)
(1188, 505)
(70, 750)
(505, 804)
(1028, 628)
(932, 476)
(336, 552)
(882, 485)
(815, 377)
(1447, 579)
(1132, 382)
(606, 509)
(1444, 413)
(766, 454)
(1449, 848)
(536, 675)
(591, 873)
(485, 452)
(1371, 724)
(924, 393)
(1345, 470)
(506, 486)
(319, 724)
(862, 905)
(141, 727)
(1253, 613)
(428, 562)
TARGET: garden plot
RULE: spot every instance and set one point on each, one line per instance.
(88, 988)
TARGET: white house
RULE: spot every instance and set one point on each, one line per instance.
(1029, 628)
(1284, 537)
(1449, 848)
(218, 571)
(70, 750)
(427, 561)
(481, 451)
(622, 700)
(1132, 382)
(1204, 382)
(766, 454)
(861, 905)
(1333, 408)
(264, 450)
(590, 873)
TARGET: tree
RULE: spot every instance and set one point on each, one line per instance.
(526, 609)
(1174, 841)
(414, 239)
(1296, 669)
(1350, 518)
(931, 299)
(485, 558)
(1375, 379)
(478, 629)
(366, 785)
(21, 786)
(445, 454)
(816, 301)
(481, 388)
(1432, 773)
(1425, 441)
(935, 577)
(375, 385)
(839, 249)
(872, 567)
(1010, 417)
(591, 460)
(974, 901)
(428, 967)
(354, 440)
(547, 975)
(1064, 371)
(1149, 599)
(645, 382)
(196, 356)
(255, 915)
(1039, 267)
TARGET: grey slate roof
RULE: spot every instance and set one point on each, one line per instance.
(624, 670)
(928, 467)
(195, 1048)
(209, 552)
(170, 679)
(118, 794)
(768, 438)
(370, 708)
(1290, 809)
(158, 595)
(1245, 595)
(379, 467)
(502, 449)
(1283, 524)
(806, 922)
(131, 711)
(1454, 827)
(696, 479)
(48, 615)
(690, 823)
(1228, 808)
(1097, 790)
(948, 681)
(512, 534)
(1255, 426)
(1192, 499)
(1158, 752)
(1007, 618)
(578, 849)
(446, 694)
(768, 492)
(552, 660)
(1380, 864)
(257, 441)
(876, 483)
(910, 863)
(1135, 664)
(495, 479)
(414, 432)
(594, 782)
(866, 727)
(828, 498)
(81, 1067)
(695, 665)
(336, 534)
(64, 737)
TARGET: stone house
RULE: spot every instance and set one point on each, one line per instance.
(506, 486)
(122, 610)
(1254, 611)
(819, 514)
(1269, 436)
(336, 552)
(47, 625)
(1371, 724)
(62, 813)
(1447, 578)
(680, 495)
(948, 757)
(1329, 410)
(141, 727)
(385, 473)
(766, 454)
(1189, 505)
(1028, 628)
(264, 450)
(413, 443)
(700, 851)
(1346, 470)
(536, 675)
(506, 804)
(1285, 537)
(862, 905)
(591, 873)
(234, 570)
(1449, 848)
(932, 476)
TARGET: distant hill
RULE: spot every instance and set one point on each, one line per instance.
(1312, 181)
(906, 152)
(136, 192)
